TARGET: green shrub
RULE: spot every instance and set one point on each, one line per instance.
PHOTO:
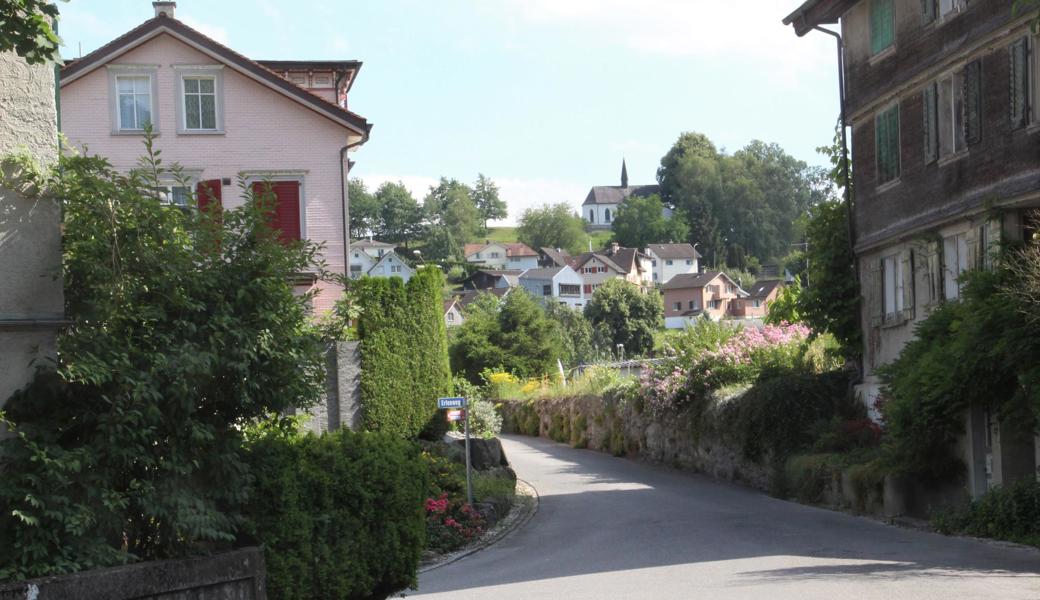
(579, 425)
(560, 428)
(185, 326)
(339, 516)
(404, 356)
(1010, 512)
(484, 420)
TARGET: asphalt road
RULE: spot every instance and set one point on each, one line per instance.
(615, 528)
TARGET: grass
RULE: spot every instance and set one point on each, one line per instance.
(599, 238)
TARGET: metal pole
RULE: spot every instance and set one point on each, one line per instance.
(469, 480)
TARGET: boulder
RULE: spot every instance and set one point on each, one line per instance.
(484, 454)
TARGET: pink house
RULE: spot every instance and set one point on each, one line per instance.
(222, 116)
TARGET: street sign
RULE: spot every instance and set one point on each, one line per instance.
(456, 414)
(451, 403)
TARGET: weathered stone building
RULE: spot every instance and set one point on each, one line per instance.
(939, 97)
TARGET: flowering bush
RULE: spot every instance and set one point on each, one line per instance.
(730, 359)
(450, 524)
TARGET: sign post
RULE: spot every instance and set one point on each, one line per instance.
(453, 404)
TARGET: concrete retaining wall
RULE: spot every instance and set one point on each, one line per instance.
(238, 575)
(341, 404)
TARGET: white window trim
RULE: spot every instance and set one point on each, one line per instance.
(896, 288)
(121, 70)
(216, 72)
(252, 177)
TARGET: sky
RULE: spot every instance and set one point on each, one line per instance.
(546, 97)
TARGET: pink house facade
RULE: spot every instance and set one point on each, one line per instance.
(221, 117)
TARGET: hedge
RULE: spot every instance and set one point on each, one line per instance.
(339, 516)
(404, 352)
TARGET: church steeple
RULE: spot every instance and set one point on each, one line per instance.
(624, 174)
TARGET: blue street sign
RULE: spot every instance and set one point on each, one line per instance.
(451, 403)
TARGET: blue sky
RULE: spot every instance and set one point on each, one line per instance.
(543, 96)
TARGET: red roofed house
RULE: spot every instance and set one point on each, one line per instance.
(222, 116)
(501, 255)
(688, 296)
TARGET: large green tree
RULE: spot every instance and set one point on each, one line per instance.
(400, 216)
(641, 221)
(552, 226)
(364, 210)
(485, 196)
(576, 336)
(449, 205)
(623, 315)
(514, 335)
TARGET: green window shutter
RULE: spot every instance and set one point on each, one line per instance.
(887, 143)
(1019, 67)
(931, 123)
(973, 102)
(929, 10)
(882, 25)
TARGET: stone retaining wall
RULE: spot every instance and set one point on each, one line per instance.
(238, 575)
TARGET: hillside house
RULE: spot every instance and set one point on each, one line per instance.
(669, 260)
(940, 99)
(485, 279)
(760, 295)
(554, 257)
(689, 296)
(453, 312)
(559, 284)
(221, 116)
(629, 264)
(501, 255)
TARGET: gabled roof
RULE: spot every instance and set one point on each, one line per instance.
(581, 259)
(559, 257)
(512, 249)
(369, 244)
(674, 250)
(763, 288)
(542, 274)
(467, 297)
(346, 67)
(160, 24)
(615, 194)
(686, 281)
(388, 255)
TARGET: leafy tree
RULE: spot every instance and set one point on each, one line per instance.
(441, 246)
(514, 335)
(786, 308)
(485, 196)
(449, 205)
(621, 314)
(552, 226)
(185, 328)
(576, 335)
(691, 183)
(25, 27)
(831, 302)
(400, 216)
(641, 221)
(364, 210)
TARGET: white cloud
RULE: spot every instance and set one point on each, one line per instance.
(688, 28)
(519, 194)
(214, 31)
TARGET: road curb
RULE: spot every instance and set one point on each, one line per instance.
(524, 508)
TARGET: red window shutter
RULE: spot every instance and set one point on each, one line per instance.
(207, 192)
(285, 218)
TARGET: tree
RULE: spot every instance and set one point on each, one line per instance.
(514, 335)
(184, 329)
(831, 302)
(575, 331)
(364, 210)
(485, 196)
(640, 221)
(786, 307)
(25, 27)
(552, 226)
(621, 314)
(691, 184)
(400, 217)
(449, 205)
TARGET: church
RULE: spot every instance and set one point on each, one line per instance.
(601, 205)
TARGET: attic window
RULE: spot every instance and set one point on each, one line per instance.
(298, 78)
(322, 80)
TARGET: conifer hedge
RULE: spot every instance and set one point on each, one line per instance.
(404, 352)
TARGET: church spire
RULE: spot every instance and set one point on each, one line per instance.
(624, 174)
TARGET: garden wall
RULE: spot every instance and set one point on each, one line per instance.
(340, 406)
(235, 575)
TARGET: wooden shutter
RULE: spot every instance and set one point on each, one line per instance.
(931, 122)
(972, 239)
(881, 25)
(874, 293)
(907, 257)
(209, 193)
(935, 276)
(1019, 67)
(929, 10)
(973, 102)
(994, 240)
(284, 217)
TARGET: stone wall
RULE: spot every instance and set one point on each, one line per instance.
(31, 301)
(341, 404)
(238, 575)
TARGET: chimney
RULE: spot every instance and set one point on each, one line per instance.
(164, 9)
(614, 247)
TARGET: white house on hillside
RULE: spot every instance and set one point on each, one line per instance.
(669, 260)
(377, 259)
(501, 255)
(562, 284)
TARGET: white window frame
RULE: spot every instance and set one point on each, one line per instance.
(214, 72)
(955, 263)
(951, 113)
(116, 71)
(166, 188)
